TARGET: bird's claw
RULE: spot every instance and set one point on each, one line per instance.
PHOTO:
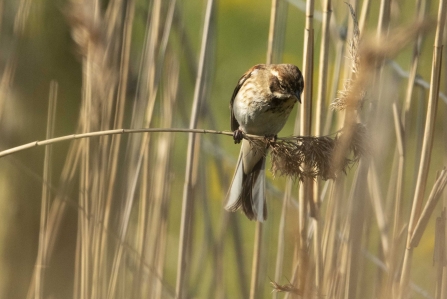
(237, 136)
(271, 138)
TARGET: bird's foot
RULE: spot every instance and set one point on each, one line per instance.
(238, 135)
(270, 139)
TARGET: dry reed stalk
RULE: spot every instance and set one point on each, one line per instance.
(72, 137)
(99, 86)
(393, 257)
(430, 205)
(401, 125)
(96, 35)
(370, 57)
(339, 50)
(85, 19)
(151, 70)
(6, 81)
(364, 14)
(209, 244)
(443, 287)
(272, 29)
(354, 228)
(254, 284)
(400, 137)
(77, 272)
(239, 254)
(420, 16)
(258, 245)
(282, 223)
(144, 209)
(22, 16)
(323, 67)
(41, 263)
(426, 146)
(58, 208)
(320, 111)
(330, 241)
(306, 189)
(85, 175)
(377, 204)
(186, 201)
(430, 119)
(216, 288)
(159, 216)
(384, 17)
(273, 56)
(341, 265)
(439, 255)
(123, 228)
(118, 106)
(83, 240)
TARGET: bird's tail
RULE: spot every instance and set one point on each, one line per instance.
(247, 188)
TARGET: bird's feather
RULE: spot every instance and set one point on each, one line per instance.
(247, 188)
(234, 122)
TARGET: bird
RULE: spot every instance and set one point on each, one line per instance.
(261, 103)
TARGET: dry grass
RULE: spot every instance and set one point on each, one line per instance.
(137, 212)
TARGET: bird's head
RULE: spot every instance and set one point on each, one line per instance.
(287, 81)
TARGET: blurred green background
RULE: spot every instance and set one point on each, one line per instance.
(44, 50)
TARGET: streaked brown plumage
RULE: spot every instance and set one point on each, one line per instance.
(260, 105)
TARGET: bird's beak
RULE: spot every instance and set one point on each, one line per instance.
(298, 96)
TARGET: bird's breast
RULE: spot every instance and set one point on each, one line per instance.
(261, 114)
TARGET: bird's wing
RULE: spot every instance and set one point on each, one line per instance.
(234, 123)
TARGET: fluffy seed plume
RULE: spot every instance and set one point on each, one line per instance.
(340, 102)
(307, 156)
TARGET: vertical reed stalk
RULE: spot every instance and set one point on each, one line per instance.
(401, 127)
(440, 253)
(355, 228)
(41, 263)
(443, 291)
(254, 293)
(58, 209)
(118, 118)
(258, 233)
(319, 113)
(276, 35)
(282, 223)
(393, 256)
(186, 202)
(323, 69)
(306, 189)
(426, 146)
(339, 55)
(364, 14)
